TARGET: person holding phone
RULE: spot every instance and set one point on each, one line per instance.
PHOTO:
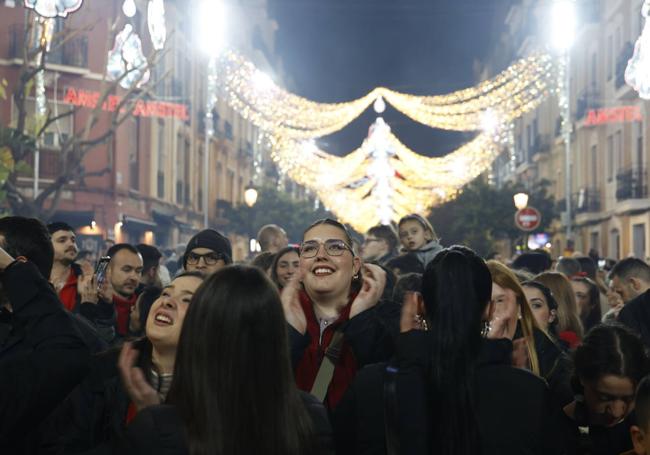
(43, 355)
(330, 303)
(116, 292)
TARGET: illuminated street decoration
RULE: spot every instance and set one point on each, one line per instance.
(127, 57)
(128, 8)
(54, 8)
(156, 22)
(383, 179)
(637, 73)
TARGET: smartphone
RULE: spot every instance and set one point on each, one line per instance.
(100, 270)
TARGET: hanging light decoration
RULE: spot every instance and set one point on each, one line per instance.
(383, 179)
(156, 22)
(637, 73)
(126, 56)
(53, 8)
(128, 8)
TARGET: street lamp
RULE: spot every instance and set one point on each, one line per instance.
(250, 195)
(521, 200)
(564, 28)
(210, 39)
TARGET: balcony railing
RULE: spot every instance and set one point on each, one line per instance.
(632, 184)
(541, 144)
(73, 52)
(588, 200)
(621, 63)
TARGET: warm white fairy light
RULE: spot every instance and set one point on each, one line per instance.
(383, 179)
(637, 73)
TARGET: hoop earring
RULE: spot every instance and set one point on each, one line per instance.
(485, 331)
(421, 323)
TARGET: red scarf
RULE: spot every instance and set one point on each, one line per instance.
(123, 309)
(68, 293)
(307, 368)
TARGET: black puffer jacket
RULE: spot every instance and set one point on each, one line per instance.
(94, 416)
(42, 356)
(513, 407)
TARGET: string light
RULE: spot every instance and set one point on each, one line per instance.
(637, 72)
(383, 179)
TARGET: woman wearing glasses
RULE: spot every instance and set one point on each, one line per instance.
(329, 306)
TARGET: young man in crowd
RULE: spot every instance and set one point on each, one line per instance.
(65, 272)
(110, 312)
(42, 353)
(380, 244)
(150, 266)
(630, 278)
(272, 238)
(207, 252)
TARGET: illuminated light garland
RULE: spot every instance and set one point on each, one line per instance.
(383, 179)
(637, 72)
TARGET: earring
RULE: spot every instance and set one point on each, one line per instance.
(485, 331)
(421, 322)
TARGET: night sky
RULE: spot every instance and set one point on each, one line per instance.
(338, 50)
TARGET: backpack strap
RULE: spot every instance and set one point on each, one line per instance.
(390, 411)
(327, 366)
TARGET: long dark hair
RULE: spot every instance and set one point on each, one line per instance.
(612, 349)
(276, 259)
(456, 287)
(233, 385)
(595, 314)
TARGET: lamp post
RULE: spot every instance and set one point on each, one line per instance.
(210, 36)
(250, 195)
(564, 25)
(521, 200)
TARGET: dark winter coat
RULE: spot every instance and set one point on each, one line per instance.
(513, 406)
(636, 315)
(595, 440)
(159, 430)
(555, 367)
(94, 416)
(42, 356)
(366, 340)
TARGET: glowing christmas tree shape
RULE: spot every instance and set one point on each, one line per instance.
(125, 57)
(637, 73)
(54, 8)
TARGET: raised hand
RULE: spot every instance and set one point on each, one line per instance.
(293, 311)
(139, 390)
(374, 281)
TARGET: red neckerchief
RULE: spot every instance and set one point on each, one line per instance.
(122, 310)
(68, 293)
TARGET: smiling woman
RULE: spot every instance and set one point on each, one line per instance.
(111, 401)
(329, 306)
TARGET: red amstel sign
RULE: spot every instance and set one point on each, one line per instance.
(90, 99)
(528, 219)
(621, 114)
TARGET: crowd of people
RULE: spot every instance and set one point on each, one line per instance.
(392, 345)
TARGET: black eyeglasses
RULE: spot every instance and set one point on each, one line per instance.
(333, 247)
(208, 258)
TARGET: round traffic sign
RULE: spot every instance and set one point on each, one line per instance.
(528, 219)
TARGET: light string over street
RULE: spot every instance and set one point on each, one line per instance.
(383, 180)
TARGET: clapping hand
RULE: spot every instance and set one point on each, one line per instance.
(137, 387)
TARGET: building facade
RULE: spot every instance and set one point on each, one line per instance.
(609, 152)
(147, 183)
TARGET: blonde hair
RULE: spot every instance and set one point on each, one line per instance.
(505, 278)
(567, 308)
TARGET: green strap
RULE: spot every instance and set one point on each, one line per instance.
(326, 369)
